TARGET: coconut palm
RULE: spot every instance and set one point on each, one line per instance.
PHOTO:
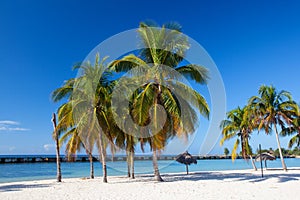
(157, 64)
(88, 96)
(293, 129)
(70, 135)
(238, 125)
(66, 128)
(90, 113)
(128, 143)
(273, 109)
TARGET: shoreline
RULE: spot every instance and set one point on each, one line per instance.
(227, 184)
(12, 159)
(162, 174)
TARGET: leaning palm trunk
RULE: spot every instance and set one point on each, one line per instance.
(157, 176)
(91, 165)
(279, 148)
(154, 159)
(58, 177)
(253, 164)
(103, 159)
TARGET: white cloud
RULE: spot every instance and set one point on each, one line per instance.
(18, 129)
(8, 125)
(9, 122)
(3, 128)
(47, 147)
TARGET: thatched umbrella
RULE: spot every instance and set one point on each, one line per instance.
(187, 159)
(264, 157)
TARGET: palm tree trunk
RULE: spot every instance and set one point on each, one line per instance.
(266, 164)
(279, 148)
(58, 176)
(157, 176)
(128, 164)
(91, 166)
(253, 164)
(103, 159)
(132, 164)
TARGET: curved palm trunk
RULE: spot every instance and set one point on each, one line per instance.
(266, 164)
(279, 148)
(91, 162)
(91, 165)
(58, 176)
(103, 159)
(253, 164)
(157, 176)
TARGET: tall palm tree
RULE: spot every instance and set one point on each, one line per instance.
(238, 124)
(88, 96)
(66, 127)
(158, 63)
(91, 113)
(273, 108)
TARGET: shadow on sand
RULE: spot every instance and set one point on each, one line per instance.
(198, 176)
(19, 187)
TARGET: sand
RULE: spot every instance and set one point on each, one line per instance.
(239, 184)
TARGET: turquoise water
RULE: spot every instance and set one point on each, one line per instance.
(38, 171)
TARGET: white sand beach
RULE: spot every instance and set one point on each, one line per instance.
(238, 184)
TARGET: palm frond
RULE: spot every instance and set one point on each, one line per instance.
(194, 72)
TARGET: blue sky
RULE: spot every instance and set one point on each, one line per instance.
(251, 42)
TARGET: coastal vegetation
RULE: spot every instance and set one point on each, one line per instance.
(87, 117)
(226, 151)
(159, 105)
(269, 111)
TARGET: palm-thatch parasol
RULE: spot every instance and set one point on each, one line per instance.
(187, 159)
(264, 157)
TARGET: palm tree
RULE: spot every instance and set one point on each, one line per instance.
(91, 113)
(294, 128)
(157, 64)
(71, 136)
(66, 127)
(88, 96)
(55, 136)
(238, 124)
(273, 108)
(127, 142)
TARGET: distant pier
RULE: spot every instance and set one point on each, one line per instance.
(81, 158)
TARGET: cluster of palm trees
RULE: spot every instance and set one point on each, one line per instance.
(87, 117)
(269, 111)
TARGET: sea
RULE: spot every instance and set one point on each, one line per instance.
(42, 170)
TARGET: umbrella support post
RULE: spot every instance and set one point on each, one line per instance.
(261, 166)
(187, 169)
